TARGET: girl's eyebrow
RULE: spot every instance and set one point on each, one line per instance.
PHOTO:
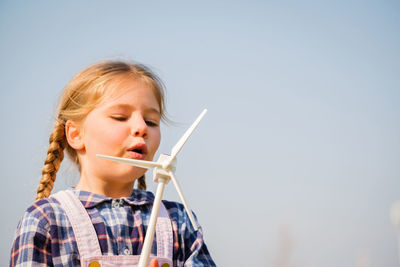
(122, 106)
(129, 107)
(153, 110)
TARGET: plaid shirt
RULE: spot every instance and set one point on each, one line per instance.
(44, 236)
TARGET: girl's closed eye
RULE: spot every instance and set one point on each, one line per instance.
(119, 117)
(151, 123)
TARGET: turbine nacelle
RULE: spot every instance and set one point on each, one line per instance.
(168, 165)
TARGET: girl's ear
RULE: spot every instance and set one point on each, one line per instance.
(74, 135)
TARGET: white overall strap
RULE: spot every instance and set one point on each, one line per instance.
(85, 234)
(164, 234)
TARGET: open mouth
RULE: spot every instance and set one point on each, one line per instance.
(138, 150)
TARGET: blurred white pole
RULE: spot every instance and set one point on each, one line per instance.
(362, 258)
(395, 217)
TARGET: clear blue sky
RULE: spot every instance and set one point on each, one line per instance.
(297, 160)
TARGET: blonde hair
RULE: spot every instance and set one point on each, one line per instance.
(79, 97)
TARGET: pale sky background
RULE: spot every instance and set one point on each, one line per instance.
(297, 161)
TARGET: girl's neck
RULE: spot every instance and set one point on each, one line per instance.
(105, 188)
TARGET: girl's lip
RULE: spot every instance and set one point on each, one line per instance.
(135, 155)
(137, 151)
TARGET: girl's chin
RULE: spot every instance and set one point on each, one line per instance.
(119, 173)
(130, 174)
(122, 182)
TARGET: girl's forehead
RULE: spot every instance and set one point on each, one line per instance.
(118, 88)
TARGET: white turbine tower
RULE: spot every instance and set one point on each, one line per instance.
(164, 170)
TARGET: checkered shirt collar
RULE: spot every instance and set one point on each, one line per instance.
(137, 198)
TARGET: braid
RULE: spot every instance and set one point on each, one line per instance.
(142, 183)
(55, 154)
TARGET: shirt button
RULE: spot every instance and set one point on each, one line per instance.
(115, 203)
(127, 251)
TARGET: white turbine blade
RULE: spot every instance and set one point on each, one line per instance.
(180, 193)
(175, 150)
(135, 162)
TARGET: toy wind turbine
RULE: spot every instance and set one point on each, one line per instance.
(164, 170)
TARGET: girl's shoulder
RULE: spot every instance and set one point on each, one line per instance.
(174, 208)
(43, 213)
(178, 214)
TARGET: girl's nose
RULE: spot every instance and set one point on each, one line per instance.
(139, 127)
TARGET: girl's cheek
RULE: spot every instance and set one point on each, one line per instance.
(115, 134)
(156, 137)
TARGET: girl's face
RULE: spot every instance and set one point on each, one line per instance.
(125, 124)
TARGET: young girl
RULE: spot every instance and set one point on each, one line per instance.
(111, 108)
